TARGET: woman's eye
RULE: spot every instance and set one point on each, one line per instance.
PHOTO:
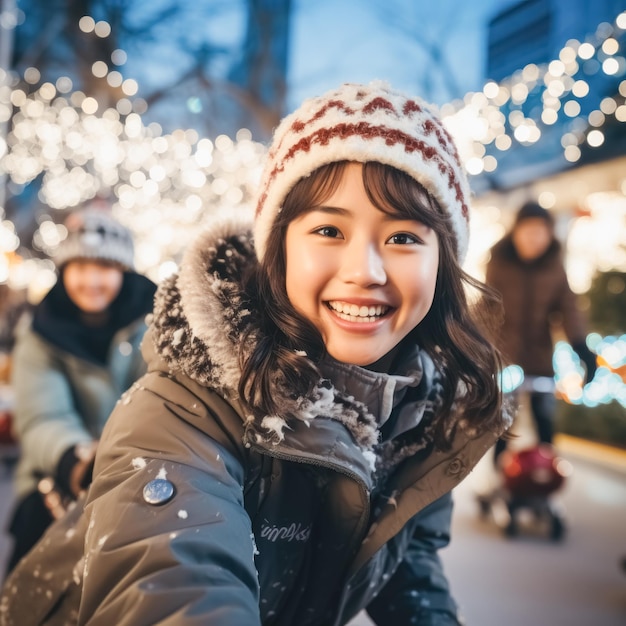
(403, 239)
(328, 231)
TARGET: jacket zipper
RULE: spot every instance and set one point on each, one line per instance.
(306, 460)
(360, 533)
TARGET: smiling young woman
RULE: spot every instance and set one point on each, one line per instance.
(318, 384)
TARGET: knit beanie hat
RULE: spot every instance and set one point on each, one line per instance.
(364, 123)
(532, 209)
(93, 233)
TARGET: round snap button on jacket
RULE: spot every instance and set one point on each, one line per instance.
(158, 491)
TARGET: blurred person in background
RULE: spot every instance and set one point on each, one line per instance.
(527, 269)
(70, 366)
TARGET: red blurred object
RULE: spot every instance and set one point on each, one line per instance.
(533, 472)
(523, 499)
(6, 428)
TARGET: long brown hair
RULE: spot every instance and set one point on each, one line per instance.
(453, 332)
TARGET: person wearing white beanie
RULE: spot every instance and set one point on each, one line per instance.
(71, 364)
(317, 385)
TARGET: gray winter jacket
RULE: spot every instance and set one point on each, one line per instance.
(199, 514)
(63, 398)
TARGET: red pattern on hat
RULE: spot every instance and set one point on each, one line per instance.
(362, 129)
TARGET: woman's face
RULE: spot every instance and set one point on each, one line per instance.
(92, 286)
(364, 278)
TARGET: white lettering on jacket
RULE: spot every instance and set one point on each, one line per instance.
(292, 532)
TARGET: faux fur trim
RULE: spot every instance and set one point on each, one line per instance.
(211, 297)
(196, 317)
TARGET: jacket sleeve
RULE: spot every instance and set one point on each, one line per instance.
(46, 420)
(418, 592)
(185, 559)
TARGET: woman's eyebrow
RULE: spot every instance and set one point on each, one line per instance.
(331, 210)
(335, 210)
(342, 211)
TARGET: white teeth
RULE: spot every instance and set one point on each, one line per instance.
(356, 313)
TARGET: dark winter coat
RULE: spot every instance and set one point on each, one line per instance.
(200, 514)
(536, 298)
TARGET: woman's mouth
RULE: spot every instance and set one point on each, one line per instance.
(358, 313)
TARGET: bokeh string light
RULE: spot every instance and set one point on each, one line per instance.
(517, 113)
(609, 382)
(166, 186)
(534, 113)
(521, 108)
(569, 382)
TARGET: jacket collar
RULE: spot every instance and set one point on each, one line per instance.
(379, 391)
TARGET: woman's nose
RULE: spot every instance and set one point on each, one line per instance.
(92, 277)
(364, 265)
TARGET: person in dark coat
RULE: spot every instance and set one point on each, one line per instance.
(70, 366)
(317, 385)
(526, 268)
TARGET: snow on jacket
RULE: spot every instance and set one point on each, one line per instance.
(200, 514)
(63, 398)
(536, 297)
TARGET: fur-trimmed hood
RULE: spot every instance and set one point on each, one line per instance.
(200, 315)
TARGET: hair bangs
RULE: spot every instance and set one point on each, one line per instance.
(396, 193)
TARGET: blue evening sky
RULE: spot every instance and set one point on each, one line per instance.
(334, 41)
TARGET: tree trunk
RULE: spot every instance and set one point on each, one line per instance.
(262, 71)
